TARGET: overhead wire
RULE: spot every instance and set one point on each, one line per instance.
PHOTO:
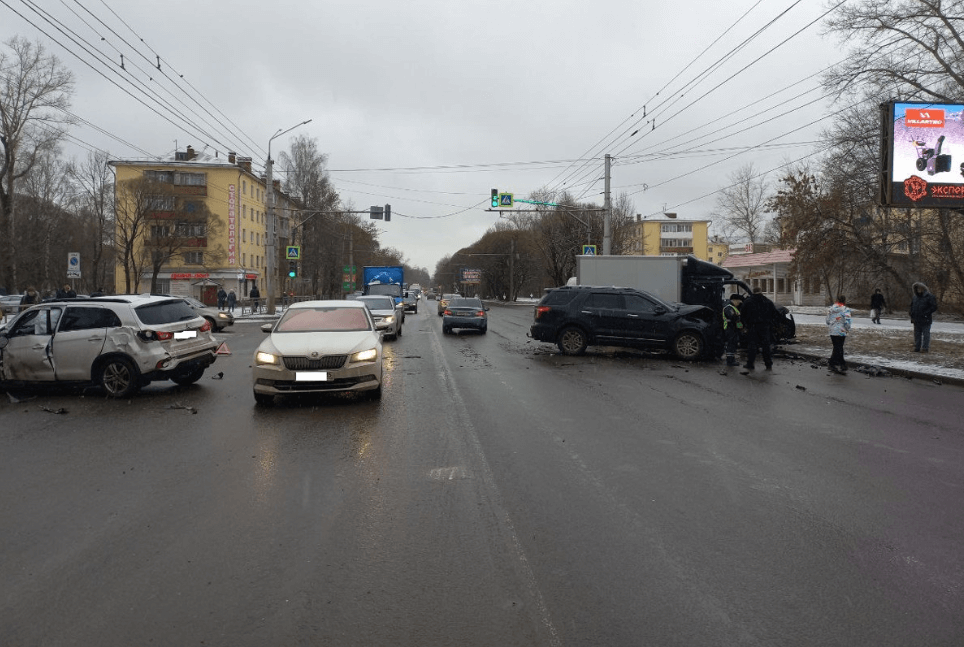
(160, 59)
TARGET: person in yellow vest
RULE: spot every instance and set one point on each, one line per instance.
(732, 327)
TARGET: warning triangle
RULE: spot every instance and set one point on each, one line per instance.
(223, 349)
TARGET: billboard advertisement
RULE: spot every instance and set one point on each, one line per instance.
(471, 275)
(922, 155)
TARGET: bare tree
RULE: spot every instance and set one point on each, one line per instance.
(42, 203)
(35, 91)
(183, 234)
(741, 206)
(94, 199)
(135, 202)
(900, 49)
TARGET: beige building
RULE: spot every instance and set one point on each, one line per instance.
(225, 246)
(670, 236)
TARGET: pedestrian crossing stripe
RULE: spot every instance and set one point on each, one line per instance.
(223, 349)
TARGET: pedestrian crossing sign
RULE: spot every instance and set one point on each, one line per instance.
(293, 252)
(588, 250)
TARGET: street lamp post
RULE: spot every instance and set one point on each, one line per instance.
(272, 253)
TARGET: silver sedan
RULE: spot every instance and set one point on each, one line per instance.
(388, 319)
(319, 347)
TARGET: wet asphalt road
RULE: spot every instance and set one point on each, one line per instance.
(499, 494)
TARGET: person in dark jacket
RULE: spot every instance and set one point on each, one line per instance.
(732, 327)
(30, 297)
(255, 295)
(758, 313)
(222, 298)
(922, 309)
(232, 299)
(877, 305)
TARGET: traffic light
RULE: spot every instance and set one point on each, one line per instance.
(388, 212)
(495, 198)
(292, 269)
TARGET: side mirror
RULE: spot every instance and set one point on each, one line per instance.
(660, 310)
(266, 327)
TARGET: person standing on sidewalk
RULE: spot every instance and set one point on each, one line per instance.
(758, 313)
(232, 299)
(877, 305)
(922, 309)
(838, 321)
(222, 297)
(255, 295)
(732, 327)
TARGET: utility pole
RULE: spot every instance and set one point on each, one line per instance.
(608, 215)
(512, 270)
(271, 247)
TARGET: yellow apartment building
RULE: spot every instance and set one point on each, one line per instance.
(670, 236)
(207, 219)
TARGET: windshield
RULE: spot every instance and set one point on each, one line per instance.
(390, 289)
(378, 303)
(331, 319)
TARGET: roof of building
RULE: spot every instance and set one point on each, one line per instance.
(765, 258)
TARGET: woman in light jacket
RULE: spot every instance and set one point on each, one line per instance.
(838, 321)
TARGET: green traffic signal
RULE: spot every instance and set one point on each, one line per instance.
(292, 269)
(495, 198)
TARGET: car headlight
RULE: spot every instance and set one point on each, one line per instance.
(223, 315)
(262, 357)
(389, 319)
(365, 355)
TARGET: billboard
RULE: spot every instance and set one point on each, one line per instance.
(922, 155)
(471, 275)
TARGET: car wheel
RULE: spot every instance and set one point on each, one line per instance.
(572, 341)
(190, 377)
(264, 399)
(214, 326)
(118, 377)
(921, 163)
(688, 345)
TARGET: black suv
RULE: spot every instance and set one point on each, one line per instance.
(578, 316)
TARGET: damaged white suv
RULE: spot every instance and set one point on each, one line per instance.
(118, 343)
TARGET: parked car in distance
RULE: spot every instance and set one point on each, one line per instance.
(319, 347)
(574, 317)
(10, 304)
(465, 313)
(119, 343)
(443, 301)
(219, 319)
(385, 311)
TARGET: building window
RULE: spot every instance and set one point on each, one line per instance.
(160, 231)
(160, 176)
(193, 258)
(675, 228)
(244, 235)
(244, 259)
(244, 187)
(160, 203)
(191, 179)
(192, 229)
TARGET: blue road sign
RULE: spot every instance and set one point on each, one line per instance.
(588, 250)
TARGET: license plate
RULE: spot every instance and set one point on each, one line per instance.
(187, 334)
(311, 376)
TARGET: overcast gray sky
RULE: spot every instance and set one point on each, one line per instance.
(429, 104)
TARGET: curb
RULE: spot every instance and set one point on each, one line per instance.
(890, 372)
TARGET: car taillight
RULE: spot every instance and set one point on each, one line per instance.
(480, 313)
(541, 310)
(206, 327)
(446, 312)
